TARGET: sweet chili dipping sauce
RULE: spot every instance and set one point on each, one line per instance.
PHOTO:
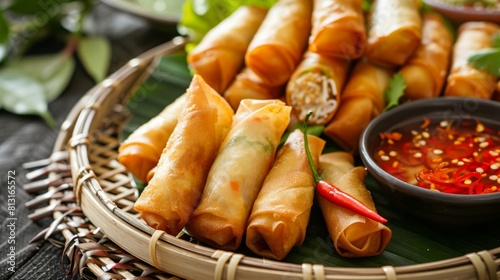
(460, 157)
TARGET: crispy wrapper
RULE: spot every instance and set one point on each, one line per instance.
(315, 86)
(394, 31)
(426, 71)
(280, 42)
(338, 28)
(465, 80)
(249, 85)
(174, 190)
(352, 234)
(141, 151)
(236, 176)
(282, 209)
(362, 100)
(221, 53)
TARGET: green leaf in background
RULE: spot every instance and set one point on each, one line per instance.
(30, 7)
(23, 95)
(496, 41)
(4, 36)
(199, 16)
(395, 90)
(52, 71)
(486, 59)
(95, 55)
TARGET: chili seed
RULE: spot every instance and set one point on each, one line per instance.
(460, 163)
(395, 164)
(493, 177)
(438, 152)
(494, 188)
(390, 141)
(498, 180)
(479, 170)
(494, 153)
(417, 155)
(467, 181)
(393, 153)
(381, 152)
(422, 143)
(414, 132)
(426, 134)
(454, 161)
(479, 127)
(495, 166)
(384, 158)
(443, 123)
(484, 144)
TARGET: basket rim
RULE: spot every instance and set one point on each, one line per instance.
(103, 212)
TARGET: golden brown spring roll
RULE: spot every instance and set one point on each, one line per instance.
(280, 214)
(465, 80)
(315, 86)
(221, 53)
(362, 100)
(237, 174)
(394, 31)
(249, 85)
(174, 190)
(140, 152)
(353, 235)
(279, 43)
(427, 69)
(338, 28)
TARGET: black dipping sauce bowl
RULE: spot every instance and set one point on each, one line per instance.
(437, 207)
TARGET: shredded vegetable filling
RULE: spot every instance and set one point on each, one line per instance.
(460, 158)
(314, 91)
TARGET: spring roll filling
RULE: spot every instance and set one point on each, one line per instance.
(314, 91)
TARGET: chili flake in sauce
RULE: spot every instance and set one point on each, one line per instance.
(459, 158)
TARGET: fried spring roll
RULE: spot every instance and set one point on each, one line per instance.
(465, 80)
(315, 86)
(236, 176)
(394, 31)
(426, 71)
(174, 190)
(353, 235)
(281, 212)
(279, 43)
(221, 53)
(140, 152)
(338, 28)
(362, 100)
(249, 85)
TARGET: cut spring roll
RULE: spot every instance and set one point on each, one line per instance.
(338, 28)
(174, 190)
(362, 99)
(236, 176)
(465, 80)
(315, 86)
(353, 235)
(394, 31)
(141, 151)
(249, 85)
(221, 53)
(426, 71)
(279, 43)
(281, 212)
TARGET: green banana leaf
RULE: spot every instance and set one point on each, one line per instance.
(414, 241)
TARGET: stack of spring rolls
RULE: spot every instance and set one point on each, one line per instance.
(335, 59)
(212, 158)
(221, 177)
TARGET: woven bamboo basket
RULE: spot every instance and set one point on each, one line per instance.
(105, 193)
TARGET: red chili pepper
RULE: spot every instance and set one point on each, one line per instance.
(334, 194)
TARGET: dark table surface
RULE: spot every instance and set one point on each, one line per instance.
(28, 138)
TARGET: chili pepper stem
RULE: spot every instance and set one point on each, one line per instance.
(334, 194)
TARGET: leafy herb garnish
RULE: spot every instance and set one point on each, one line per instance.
(487, 59)
(395, 90)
